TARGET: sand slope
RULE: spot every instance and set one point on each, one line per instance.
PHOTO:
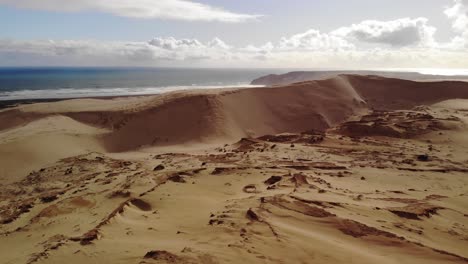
(295, 198)
(203, 116)
(344, 170)
(44, 141)
(210, 116)
(304, 76)
(387, 93)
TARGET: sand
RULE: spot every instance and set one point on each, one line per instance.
(303, 76)
(346, 170)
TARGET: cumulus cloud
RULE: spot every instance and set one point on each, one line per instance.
(174, 44)
(218, 44)
(183, 52)
(162, 9)
(314, 40)
(458, 13)
(153, 52)
(183, 49)
(398, 33)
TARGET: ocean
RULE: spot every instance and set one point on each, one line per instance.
(74, 82)
(53, 83)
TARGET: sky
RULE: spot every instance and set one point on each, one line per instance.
(332, 34)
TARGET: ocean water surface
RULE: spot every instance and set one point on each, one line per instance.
(51, 83)
(73, 82)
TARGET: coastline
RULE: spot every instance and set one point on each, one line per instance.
(5, 104)
(54, 95)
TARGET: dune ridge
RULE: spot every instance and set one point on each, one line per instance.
(220, 115)
(303, 76)
(202, 116)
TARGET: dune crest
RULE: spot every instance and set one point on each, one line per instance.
(213, 116)
(304, 76)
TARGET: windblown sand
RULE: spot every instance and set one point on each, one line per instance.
(347, 170)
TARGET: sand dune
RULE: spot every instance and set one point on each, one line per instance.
(304, 76)
(210, 116)
(346, 170)
(387, 93)
(207, 116)
(44, 141)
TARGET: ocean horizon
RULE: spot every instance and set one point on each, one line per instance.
(18, 83)
(24, 83)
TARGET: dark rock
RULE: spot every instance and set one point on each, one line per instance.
(7, 221)
(49, 198)
(141, 204)
(273, 180)
(177, 178)
(252, 215)
(87, 238)
(163, 256)
(159, 168)
(120, 193)
(423, 157)
(69, 171)
(415, 213)
(215, 221)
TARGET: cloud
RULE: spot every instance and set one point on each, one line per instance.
(145, 9)
(458, 13)
(406, 42)
(75, 52)
(183, 52)
(90, 52)
(218, 44)
(190, 49)
(397, 33)
(174, 44)
(314, 40)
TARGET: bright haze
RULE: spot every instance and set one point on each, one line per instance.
(259, 33)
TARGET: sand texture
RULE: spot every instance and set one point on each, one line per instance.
(352, 169)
